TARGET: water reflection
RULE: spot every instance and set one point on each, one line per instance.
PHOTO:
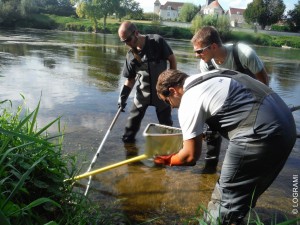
(77, 76)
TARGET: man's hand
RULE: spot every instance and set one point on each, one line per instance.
(123, 97)
(168, 160)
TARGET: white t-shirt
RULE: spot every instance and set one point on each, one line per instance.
(200, 102)
(247, 56)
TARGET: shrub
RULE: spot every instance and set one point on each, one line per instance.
(281, 28)
(221, 23)
(32, 174)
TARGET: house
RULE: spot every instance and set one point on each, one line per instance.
(171, 10)
(236, 17)
(212, 8)
(168, 11)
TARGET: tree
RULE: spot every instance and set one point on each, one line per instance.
(264, 12)
(220, 22)
(90, 9)
(294, 17)
(188, 12)
(98, 9)
(108, 7)
(95, 10)
(11, 11)
(129, 7)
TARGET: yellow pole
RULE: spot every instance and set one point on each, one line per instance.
(93, 172)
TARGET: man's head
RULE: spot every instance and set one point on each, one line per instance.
(169, 86)
(205, 41)
(128, 33)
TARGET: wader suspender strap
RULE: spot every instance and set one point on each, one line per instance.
(151, 53)
(259, 92)
(210, 65)
(237, 62)
(222, 73)
(236, 58)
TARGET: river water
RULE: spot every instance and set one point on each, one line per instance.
(77, 76)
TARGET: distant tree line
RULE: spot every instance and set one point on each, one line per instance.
(258, 12)
(101, 9)
(13, 11)
(262, 12)
(268, 12)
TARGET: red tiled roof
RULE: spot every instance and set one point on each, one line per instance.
(236, 11)
(215, 4)
(174, 5)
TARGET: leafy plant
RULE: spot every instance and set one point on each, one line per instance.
(32, 174)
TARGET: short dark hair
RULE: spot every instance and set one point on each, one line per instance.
(169, 78)
(207, 36)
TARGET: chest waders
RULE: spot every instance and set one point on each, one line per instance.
(148, 74)
(148, 71)
(259, 92)
(252, 162)
(213, 138)
(152, 64)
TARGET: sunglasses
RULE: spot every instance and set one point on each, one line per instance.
(129, 38)
(201, 50)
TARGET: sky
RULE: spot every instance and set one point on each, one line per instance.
(148, 5)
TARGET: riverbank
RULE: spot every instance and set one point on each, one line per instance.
(169, 30)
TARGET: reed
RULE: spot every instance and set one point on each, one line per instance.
(32, 170)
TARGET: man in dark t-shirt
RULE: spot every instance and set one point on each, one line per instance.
(146, 59)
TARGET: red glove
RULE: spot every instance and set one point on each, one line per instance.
(168, 160)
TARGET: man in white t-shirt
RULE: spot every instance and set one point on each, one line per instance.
(214, 54)
(209, 48)
(258, 125)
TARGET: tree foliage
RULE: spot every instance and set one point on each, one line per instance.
(221, 23)
(264, 12)
(130, 8)
(98, 9)
(12, 11)
(294, 17)
(188, 12)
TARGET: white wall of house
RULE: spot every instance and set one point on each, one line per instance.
(168, 14)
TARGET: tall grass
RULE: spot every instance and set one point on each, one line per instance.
(32, 171)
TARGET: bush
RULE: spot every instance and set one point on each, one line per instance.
(32, 175)
(283, 28)
(151, 16)
(289, 41)
(37, 21)
(221, 23)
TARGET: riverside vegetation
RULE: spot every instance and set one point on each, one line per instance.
(73, 23)
(33, 169)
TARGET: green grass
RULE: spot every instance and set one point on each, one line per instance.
(32, 174)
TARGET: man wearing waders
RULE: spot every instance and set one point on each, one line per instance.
(258, 125)
(214, 54)
(146, 59)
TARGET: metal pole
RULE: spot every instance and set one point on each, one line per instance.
(99, 149)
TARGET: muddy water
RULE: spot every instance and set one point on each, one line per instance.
(77, 76)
